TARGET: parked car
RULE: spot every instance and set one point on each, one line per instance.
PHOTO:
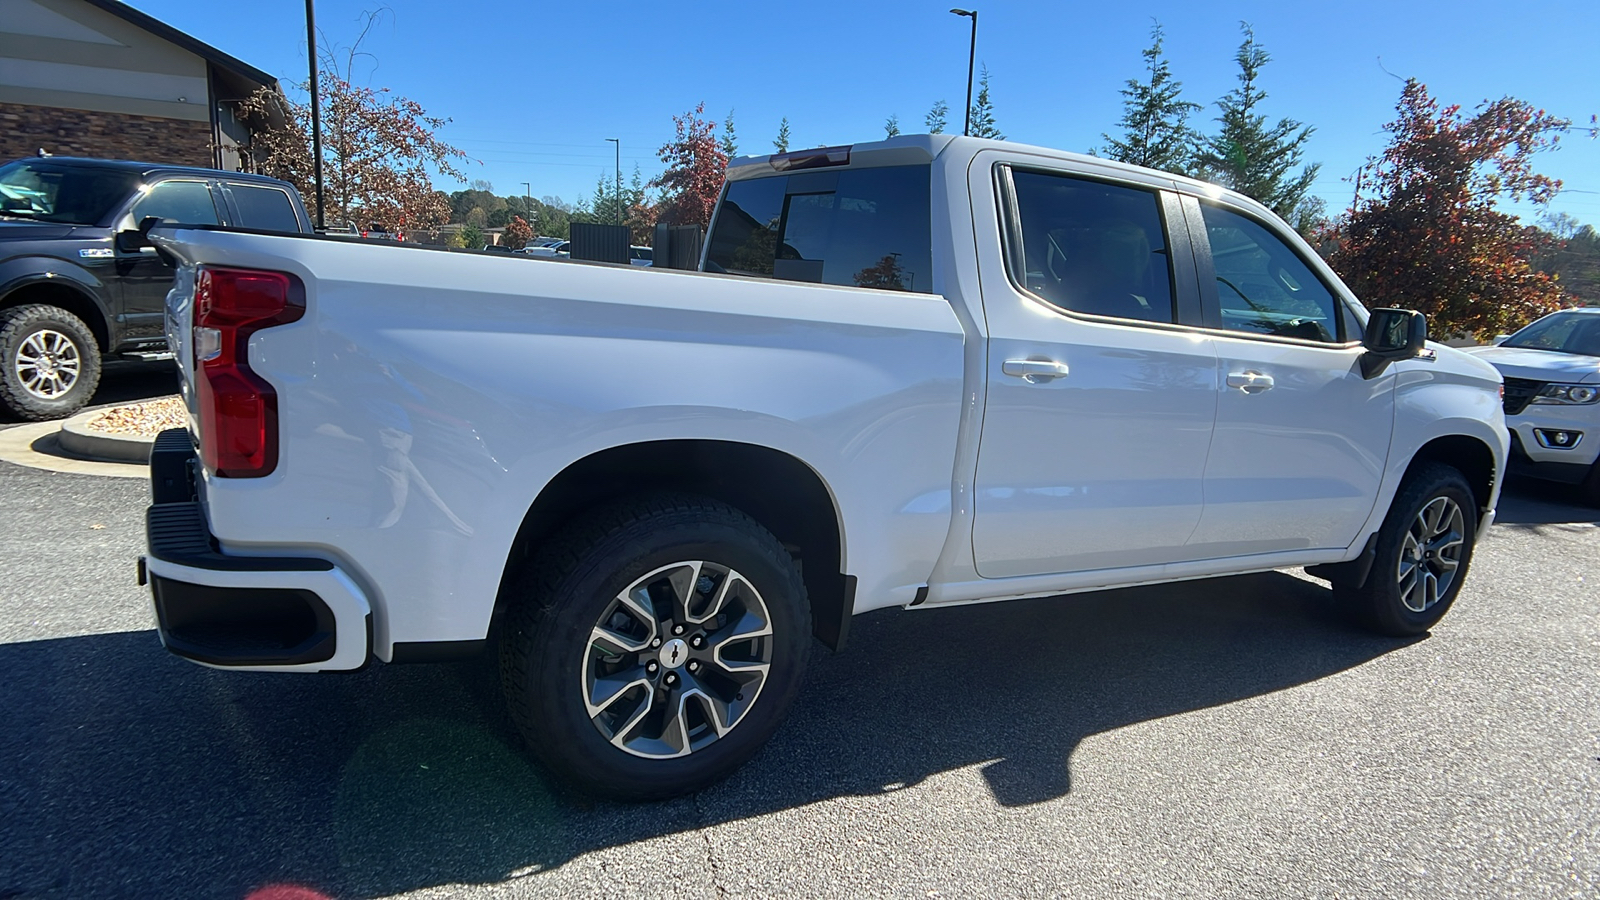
(929, 371)
(560, 248)
(1552, 398)
(77, 280)
(641, 256)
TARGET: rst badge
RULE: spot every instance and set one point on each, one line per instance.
(96, 253)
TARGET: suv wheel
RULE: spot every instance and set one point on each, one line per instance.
(51, 364)
(1423, 551)
(655, 647)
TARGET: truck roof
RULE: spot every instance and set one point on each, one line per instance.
(147, 169)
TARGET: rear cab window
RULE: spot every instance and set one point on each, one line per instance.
(868, 227)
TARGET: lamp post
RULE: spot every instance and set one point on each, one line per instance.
(618, 142)
(316, 112)
(966, 128)
(527, 203)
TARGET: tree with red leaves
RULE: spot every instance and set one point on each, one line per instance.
(377, 147)
(517, 234)
(695, 168)
(1428, 237)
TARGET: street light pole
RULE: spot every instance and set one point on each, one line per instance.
(527, 199)
(618, 142)
(972, 55)
(316, 111)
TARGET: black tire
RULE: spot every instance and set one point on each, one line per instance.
(1589, 490)
(1380, 604)
(558, 597)
(22, 328)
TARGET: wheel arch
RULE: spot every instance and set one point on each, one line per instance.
(786, 495)
(62, 294)
(1466, 454)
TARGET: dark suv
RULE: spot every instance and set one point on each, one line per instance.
(77, 281)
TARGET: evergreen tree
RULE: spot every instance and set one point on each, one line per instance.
(781, 144)
(935, 118)
(983, 111)
(891, 128)
(729, 140)
(1155, 123)
(1250, 156)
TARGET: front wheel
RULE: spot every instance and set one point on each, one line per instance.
(51, 362)
(655, 647)
(1423, 550)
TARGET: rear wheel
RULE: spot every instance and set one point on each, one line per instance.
(655, 647)
(1423, 551)
(51, 364)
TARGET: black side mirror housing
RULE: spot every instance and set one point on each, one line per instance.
(1392, 335)
(15, 204)
(131, 241)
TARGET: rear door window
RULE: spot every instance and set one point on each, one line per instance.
(1095, 248)
(264, 208)
(856, 227)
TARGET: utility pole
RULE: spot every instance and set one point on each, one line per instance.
(972, 55)
(527, 205)
(618, 142)
(316, 110)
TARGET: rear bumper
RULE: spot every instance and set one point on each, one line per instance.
(252, 613)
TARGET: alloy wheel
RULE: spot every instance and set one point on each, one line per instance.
(677, 659)
(48, 364)
(1430, 554)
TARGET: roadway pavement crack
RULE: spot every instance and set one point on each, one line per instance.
(711, 851)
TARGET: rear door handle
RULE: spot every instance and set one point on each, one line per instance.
(1251, 382)
(1034, 370)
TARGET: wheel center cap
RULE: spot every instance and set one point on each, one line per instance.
(674, 653)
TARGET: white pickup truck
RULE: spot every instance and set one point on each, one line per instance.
(915, 373)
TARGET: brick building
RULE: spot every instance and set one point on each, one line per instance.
(99, 78)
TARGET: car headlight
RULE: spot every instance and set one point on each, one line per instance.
(1568, 394)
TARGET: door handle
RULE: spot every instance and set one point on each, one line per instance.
(1034, 370)
(1250, 382)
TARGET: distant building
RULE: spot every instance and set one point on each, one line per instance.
(99, 78)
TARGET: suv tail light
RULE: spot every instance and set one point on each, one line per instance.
(238, 409)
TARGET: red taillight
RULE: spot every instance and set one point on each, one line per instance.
(238, 409)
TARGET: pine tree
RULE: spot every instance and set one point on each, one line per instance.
(983, 111)
(936, 116)
(781, 144)
(1249, 156)
(891, 127)
(1155, 123)
(729, 141)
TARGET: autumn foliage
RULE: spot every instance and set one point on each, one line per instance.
(695, 168)
(1424, 232)
(517, 234)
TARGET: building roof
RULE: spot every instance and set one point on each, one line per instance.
(230, 65)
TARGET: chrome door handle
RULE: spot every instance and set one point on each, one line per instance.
(1250, 382)
(1034, 370)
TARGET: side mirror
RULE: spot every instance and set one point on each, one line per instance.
(1392, 335)
(15, 204)
(135, 241)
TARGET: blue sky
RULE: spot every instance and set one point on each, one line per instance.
(534, 89)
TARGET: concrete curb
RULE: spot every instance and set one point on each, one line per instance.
(37, 446)
(78, 439)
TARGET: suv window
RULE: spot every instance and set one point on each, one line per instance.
(1562, 332)
(264, 208)
(1263, 285)
(1095, 248)
(180, 202)
(859, 227)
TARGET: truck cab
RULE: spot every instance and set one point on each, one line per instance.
(76, 287)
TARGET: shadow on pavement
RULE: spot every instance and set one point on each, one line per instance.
(126, 381)
(124, 771)
(1531, 502)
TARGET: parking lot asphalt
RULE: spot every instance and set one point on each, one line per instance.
(1228, 738)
